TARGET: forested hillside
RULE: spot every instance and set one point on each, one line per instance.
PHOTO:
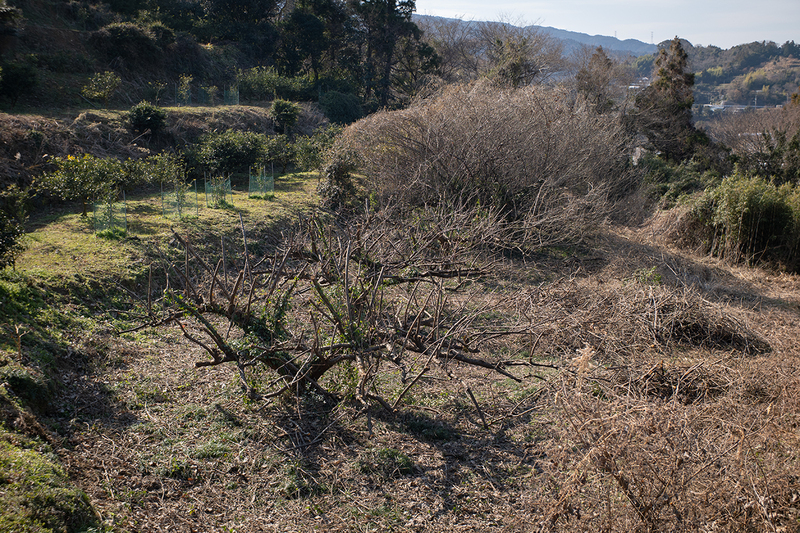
(304, 51)
(754, 74)
(352, 57)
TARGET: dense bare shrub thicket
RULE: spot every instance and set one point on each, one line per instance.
(764, 142)
(532, 152)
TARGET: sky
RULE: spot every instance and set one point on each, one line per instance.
(701, 22)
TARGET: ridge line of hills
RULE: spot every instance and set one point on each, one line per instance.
(573, 40)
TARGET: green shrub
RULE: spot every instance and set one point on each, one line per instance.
(155, 89)
(261, 83)
(232, 150)
(134, 44)
(279, 150)
(89, 178)
(749, 218)
(162, 35)
(285, 114)
(209, 94)
(185, 89)
(669, 181)
(309, 152)
(337, 190)
(83, 178)
(144, 117)
(777, 156)
(101, 86)
(341, 108)
(159, 168)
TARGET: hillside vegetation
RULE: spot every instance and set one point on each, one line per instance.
(409, 286)
(752, 74)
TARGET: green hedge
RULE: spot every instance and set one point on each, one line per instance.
(232, 150)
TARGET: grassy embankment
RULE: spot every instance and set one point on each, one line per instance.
(61, 310)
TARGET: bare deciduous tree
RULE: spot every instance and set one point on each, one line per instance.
(509, 52)
(381, 297)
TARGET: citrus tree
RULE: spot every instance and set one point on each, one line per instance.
(102, 86)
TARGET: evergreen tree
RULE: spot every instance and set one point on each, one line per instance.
(303, 42)
(664, 109)
(386, 23)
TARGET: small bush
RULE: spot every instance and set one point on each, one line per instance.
(669, 181)
(341, 108)
(337, 190)
(232, 150)
(279, 150)
(309, 151)
(102, 86)
(162, 35)
(145, 117)
(83, 178)
(159, 168)
(261, 83)
(185, 89)
(134, 44)
(284, 113)
(89, 178)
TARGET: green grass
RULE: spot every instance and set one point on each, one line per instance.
(70, 289)
(36, 494)
(385, 462)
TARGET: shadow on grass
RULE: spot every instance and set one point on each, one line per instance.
(478, 458)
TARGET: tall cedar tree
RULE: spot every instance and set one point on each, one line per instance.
(664, 109)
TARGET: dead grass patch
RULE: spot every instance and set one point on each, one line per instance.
(645, 404)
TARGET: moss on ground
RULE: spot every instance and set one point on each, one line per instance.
(37, 495)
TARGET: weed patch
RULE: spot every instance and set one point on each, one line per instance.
(387, 463)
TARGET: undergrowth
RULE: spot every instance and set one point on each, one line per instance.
(37, 495)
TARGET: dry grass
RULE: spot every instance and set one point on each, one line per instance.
(661, 403)
(658, 393)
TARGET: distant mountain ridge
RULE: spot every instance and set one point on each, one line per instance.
(573, 40)
(635, 47)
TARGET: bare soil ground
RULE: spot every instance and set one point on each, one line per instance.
(666, 399)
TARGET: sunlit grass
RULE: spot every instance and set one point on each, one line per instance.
(61, 242)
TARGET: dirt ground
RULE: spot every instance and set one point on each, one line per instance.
(664, 397)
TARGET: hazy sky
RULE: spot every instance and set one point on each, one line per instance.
(701, 22)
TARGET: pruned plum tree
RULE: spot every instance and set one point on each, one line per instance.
(383, 298)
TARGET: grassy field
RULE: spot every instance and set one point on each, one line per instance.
(659, 392)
